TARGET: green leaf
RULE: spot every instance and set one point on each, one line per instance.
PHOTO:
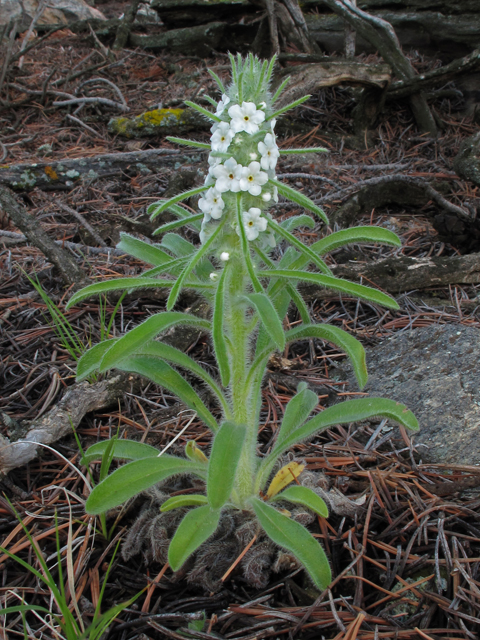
(278, 92)
(269, 318)
(290, 293)
(352, 347)
(218, 334)
(223, 462)
(180, 247)
(246, 247)
(349, 411)
(149, 253)
(199, 255)
(292, 105)
(169, 353)
(137, 476)
(337, 284)
(290, 535)
(131, 284)
(91, 359)
(182, 196)
(306, 497)
(145, 332)
(297, 410)
(189, 143)
(290, 224)
(217, 80)
(285, 152)
(355, 235)
(204, 112)
(195, 528)
(164, 375)
(169, 226)
(188, 500)
(121, 450)
(299, 198)
(193, 452)
(173, 267)
(318, 262)
(23, 608)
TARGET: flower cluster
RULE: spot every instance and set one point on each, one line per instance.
(243, 158)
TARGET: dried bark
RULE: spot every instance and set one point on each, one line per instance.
(69, 270)
(125, 26)
(467, 162)
(20, 446)
(398, 274)
(380, 33)
(309, 78)
(199, 40)
(430, 79)
(66, 174)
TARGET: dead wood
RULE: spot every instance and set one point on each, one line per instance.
(69, 270)
(396, 189)
(401, 273)
(430, 79)
(65, 174)
(467, 161)
(309, 78)
(125, 26)
(199, 40)
(20, 446)
(381, 35)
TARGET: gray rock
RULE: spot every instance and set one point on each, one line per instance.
(435, 372)
(56, 12)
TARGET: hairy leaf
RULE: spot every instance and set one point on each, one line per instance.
(188, 500)
(352, 347)
(355, 235)
(292, 536)
(299, 198)
(268, 317)
(149, 253)
(218, 334)
(145, 332)
(307, 252)
(297, 411)
(164, 375)
(306, 497)
(337, 284)
(195, 528)
(91, 359)
(223, 462)
(119, 284)
(121, 450)
(182, 196)
(135, 477)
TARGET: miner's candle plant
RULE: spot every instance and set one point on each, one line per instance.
(249, 291)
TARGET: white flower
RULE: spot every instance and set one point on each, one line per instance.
(253, 156)
(222, 104)
(275, 193)
(266, 196)
(224, 256)
(273, 122)
(222, 137)
(212, 204)
(228, 176)
(253, 223)
(246, 117)
(269, 151)
(252, 179)
(214, 276)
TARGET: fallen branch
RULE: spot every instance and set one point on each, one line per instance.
(381, 35)
(400, 273)
(425, 81)
(71, 273)
(309, 78)
(20, 447)
(64, 174)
